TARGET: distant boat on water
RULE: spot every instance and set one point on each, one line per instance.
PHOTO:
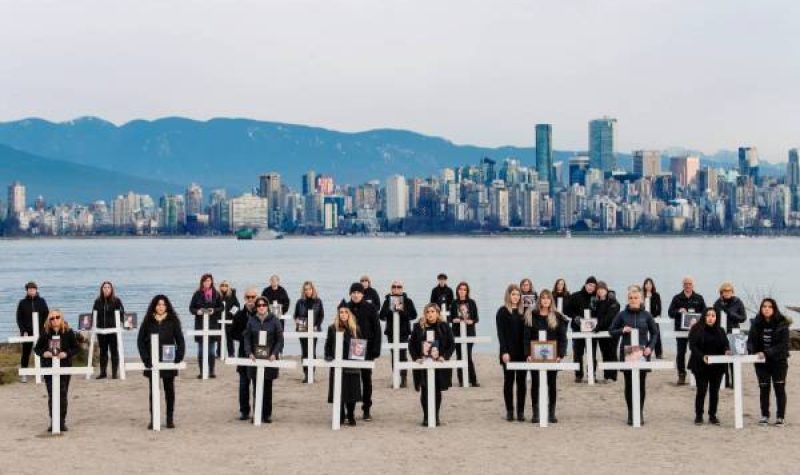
(248, 234)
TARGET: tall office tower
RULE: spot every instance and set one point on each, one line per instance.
(684, 169)
(793, 169)
(309, 182)
(646, 162)
(396, 198)
(544, 153)
(194, 199)
(602, 138)
(16, 198)
(748, 162)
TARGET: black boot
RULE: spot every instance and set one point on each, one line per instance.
(170, 422)
(402, 380)
(510, 416)
(551, 414)
(535, 418)
(115, 372)
(103, 374)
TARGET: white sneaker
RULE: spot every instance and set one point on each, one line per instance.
(23, 379)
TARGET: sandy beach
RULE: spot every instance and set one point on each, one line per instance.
(107, 430)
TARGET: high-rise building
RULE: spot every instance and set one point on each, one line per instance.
(309, 182)
(544, 153)
(247, 211)
(194, 200)
(684, 169)
(577, 169)
(646, 162)
(396, 198)
(173, 213)
(707, 181)
(793, 169)
(487, 170)
(748, 162)
(602, 138)
(16, 198)
(324, 184)
(269, 187)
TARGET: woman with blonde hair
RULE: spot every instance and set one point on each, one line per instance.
(57, 341)
(308, 301)
(346, 323)
(510, 325)
(735, 314)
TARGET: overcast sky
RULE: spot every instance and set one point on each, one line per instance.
(704, 74)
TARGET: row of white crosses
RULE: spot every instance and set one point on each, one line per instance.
(430, 366)
(116, 329)
(542, 368)
(311, 337)
(588, 337)
(260, 365)
(464, 341)
(37, 361)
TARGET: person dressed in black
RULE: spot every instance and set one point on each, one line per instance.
(369, 326)
(510, 323)
(464, 309)
(31, 304)
(605, 310)
(651, 294)
(769, 339)
(687, 301)
(308, 301)
(206, 301)
(345, 322)
(398, 301)
(442, 294)
(107, 307)
(432, 338)
(57, 340)
(231, 304)
(560, 291)
(370, 294)
(246, 385)
(735, 315)
(162, 320)
(634, 317)
(529, 296)
(268, 322)
(707, 338)
(275, 294)
(575, 308)
(545, 317)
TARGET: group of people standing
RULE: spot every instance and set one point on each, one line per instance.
(519, 320)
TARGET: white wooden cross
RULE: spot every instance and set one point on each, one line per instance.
(118, 329)
(588, 338)
(338, 363)
(464, 340)
(260, 365)
(542, 367)
(223, 321)
(737, 361)
(55, 371)
(396, 345)
(206, 333)
(311, 335)
(37, 361)
(560, 305)
(155, 374)
(685, 334)
(636, 367)
(430, 366)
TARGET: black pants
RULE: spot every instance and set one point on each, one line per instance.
(304, 350)
(108, 343)
(169, 394)
(629, 390)
(348, 411)
(48, 380)
(729, 375)
(609, 348)
(229, 341)
(402, 357)
(579, 350)
(245, 384)
(423, 398)
(707, 383)
(211, 353)
(366, 385)
(552, 390)
(26, 355)
(473, 378)
(509, 378)
(266, 404)
(773, 374)
(659, 347)
(680, 359)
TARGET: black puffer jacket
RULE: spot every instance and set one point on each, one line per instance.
(105, 309)
(605, 311)
(25, 310)
(769, 337)
(302, 306)
(369, 326)
(577, 304)
(734, 309)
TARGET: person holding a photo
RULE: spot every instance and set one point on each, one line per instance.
(687, 301)
(344, 322)
(464, 308)
(206, 301)
(545, 317)
(246, 385)
(57, 340)
(309, 301)
(268, 322)
(274, 292)
(106, 306)
(369, 326)
(231, 303)
(398, 301)
(528, 292)
(575, 308)
(510, 324)
(635, 317)
(650, 292)
(707, 338)
(735, 313)
(161, 319)
(438, 348)
(442, 294)
(606, 309)
(769, 339)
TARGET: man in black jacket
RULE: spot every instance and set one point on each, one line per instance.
(442, 294)
(398, 301)
(687, 301)
(369, 326)
(577, 304)
(32, 303)
(275, 293)
(244, 314)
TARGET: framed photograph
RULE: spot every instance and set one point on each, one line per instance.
(276, 308)
(54, 345)
(543, 351)
(688, 319)
(588, 324)
(529, 301)
(358, 349)
(168, 354)
(463, 311)
(301, 324)
(430, 348)
(738, 343)
(396, 303)
(634, 354)
(130, 321)
(262, 352)
(85, 322)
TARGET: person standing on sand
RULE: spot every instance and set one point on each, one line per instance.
(687, 301)
(442, 294)
(240, 320)
(398, 301)
(649, 292)
(463, 307)
(510, 325)
(206, 300)
(440, 349)
(369, 326)
(370, 294)
(345, 322)
(57, 341)
(266, 321)
(707, 338)
(769, 339)
(575, 308)
(107, 307)
(30, 304)
(735, 313)
(308, 301)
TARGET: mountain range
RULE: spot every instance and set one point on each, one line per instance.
(71, 160)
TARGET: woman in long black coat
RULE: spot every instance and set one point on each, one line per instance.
(206, 299)
(268, 322)
(510, 324)
(464, 307)
(345, 322)
(57, 341)
(108, 307)
(440, 348)
(707, 338)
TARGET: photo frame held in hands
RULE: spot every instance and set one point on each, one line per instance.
(544, 351)
(688, 319)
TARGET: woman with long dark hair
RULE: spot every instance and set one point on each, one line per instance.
(649, 292)
(707, 338)
(464, 308)
(107, 307)
(206, 300)
(769, 339)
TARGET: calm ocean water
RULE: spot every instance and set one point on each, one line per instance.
(69, 271)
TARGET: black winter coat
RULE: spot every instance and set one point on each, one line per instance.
(69, 345)
(605, 311)
(407, 315)
(231, 301)
(369, 326)
(576, 305)
(734, 309)
(237, 333)
(776, 331)
(351, 377)
(302, 307)
(472, 309)
(105, 311)
(442, 295)
(557, 334)
(199, 303)
(705, 341)
(371, 296)
(511, 333)
(637, 319)
(25, 310)
(277, 295)
(655, 304)
(693, 302)
(272, 325)
(169, 333)
(446, 344)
